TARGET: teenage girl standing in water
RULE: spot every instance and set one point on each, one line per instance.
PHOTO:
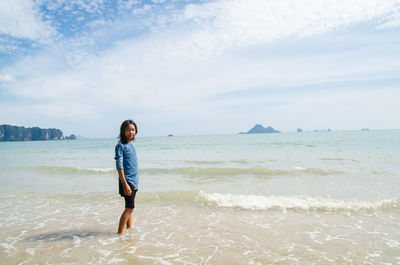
(126, 163)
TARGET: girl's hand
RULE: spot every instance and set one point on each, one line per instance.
(127, 190)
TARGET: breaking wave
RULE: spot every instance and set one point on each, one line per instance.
(250, 202)
(71, 170)
(258, 202)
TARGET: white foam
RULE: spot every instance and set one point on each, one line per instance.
(9, 248)
(105, 253)
(30, 251)
(103, 170)
(132, 250)
(155, 259)
(109, 241)
(393, 243)
(39, 225)
(258, 202)
(77, 241)
(115, 261)
(375, 254)
(66, 252)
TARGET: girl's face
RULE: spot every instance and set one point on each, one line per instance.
(130, 132)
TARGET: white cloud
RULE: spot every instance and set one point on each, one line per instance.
(6, 77)
(90, 6)
(392, 22)
(127, 4)
(22, 19)
(142, 10)
(231, 23)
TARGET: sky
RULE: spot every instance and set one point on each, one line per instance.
(188, 67)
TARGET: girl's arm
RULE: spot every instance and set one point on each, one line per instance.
(125, 186)
(118, 161)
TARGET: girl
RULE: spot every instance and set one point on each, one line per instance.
(126, 163)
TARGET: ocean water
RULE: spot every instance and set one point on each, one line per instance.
(290, 198)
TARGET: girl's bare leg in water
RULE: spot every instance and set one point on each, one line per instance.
(129, 223)
(123, 221)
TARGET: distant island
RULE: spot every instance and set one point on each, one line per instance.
(258, 128)
(19, 133)
(71, 137)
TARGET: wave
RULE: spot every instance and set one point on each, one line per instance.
(229, 171)
(190, 171)
(338, 159)
(201, 162)
(200, 171)
(71, 170)
(242, 161)
(182, 196)
(250, 202)
(258, 202)
(217, 162)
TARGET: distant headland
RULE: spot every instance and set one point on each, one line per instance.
(258, 128)
(19, 133)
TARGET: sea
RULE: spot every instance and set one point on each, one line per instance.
(287, 198)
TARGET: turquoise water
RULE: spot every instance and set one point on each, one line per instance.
(289, 198)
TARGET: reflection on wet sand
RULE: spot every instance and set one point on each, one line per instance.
(69, 235)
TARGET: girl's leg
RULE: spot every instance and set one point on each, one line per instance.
(124, 219)
(129, 222)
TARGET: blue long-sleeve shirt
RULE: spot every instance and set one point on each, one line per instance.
(126, 159)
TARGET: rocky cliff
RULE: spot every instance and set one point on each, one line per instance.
(18, 133)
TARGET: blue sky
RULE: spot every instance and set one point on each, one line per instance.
(199, 67)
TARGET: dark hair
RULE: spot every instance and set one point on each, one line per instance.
(125, 124)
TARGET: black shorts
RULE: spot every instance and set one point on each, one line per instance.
(129, 200)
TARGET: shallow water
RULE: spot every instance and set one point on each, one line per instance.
(289, 198)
